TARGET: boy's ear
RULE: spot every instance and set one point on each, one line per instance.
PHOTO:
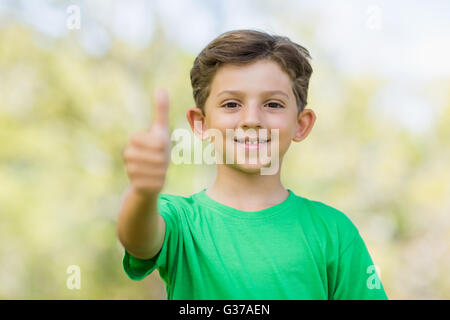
(196, 120)
(305, 122)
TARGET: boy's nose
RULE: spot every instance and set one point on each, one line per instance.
(251, 117)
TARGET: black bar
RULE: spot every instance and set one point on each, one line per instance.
(219, 309)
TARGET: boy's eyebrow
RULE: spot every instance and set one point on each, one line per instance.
(237, 92)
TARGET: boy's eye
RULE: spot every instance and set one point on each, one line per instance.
(275, 105)
(227, 105)
(272, 105)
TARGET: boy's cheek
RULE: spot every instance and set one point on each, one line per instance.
(281, 141)
(281, 148)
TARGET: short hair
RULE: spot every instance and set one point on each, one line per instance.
(241, 47)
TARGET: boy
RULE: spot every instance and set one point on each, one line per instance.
(245, 237)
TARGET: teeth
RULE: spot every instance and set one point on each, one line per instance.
(251, 142)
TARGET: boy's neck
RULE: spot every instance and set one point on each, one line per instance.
(245, 191)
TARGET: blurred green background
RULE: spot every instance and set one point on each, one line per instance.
(71, 97)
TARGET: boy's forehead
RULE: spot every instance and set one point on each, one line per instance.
(258, 76)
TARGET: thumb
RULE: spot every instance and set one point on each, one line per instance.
(161, 118)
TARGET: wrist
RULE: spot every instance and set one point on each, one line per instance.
(143, 197)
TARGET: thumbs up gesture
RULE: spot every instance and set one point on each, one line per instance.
(147, 153)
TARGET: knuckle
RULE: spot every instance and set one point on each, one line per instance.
(157, 143)
(134, 138)
(132, 156)
(159, 159)
(131, 169)
(126, 154)
(161, 145)
(137, 138)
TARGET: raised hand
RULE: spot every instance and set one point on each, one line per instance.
(147, 153)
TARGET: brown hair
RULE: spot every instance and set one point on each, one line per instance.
(240, 47)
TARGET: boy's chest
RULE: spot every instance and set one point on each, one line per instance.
(260, 256)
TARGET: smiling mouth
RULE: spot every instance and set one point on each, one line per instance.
(249, 141)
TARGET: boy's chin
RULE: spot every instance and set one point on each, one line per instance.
(249, 168)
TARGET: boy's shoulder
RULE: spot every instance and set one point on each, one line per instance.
(329, 216)
(175, 200)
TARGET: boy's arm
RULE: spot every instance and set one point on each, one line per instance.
(355, 277)
(140, 228)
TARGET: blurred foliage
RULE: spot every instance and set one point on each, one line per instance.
(65, 117)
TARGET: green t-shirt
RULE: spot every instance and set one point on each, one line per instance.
(297, 249)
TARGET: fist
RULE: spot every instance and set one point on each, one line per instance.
(147, 153)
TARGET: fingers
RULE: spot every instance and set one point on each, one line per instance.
(147, 141)
(139, 155)
(138, 171)
(146, 169)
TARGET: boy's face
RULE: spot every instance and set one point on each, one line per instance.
(262, 98)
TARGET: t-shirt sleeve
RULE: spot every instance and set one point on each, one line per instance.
(138, 269)
(356, 276)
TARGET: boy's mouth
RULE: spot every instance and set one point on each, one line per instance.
(251, 143)
(247, 140)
